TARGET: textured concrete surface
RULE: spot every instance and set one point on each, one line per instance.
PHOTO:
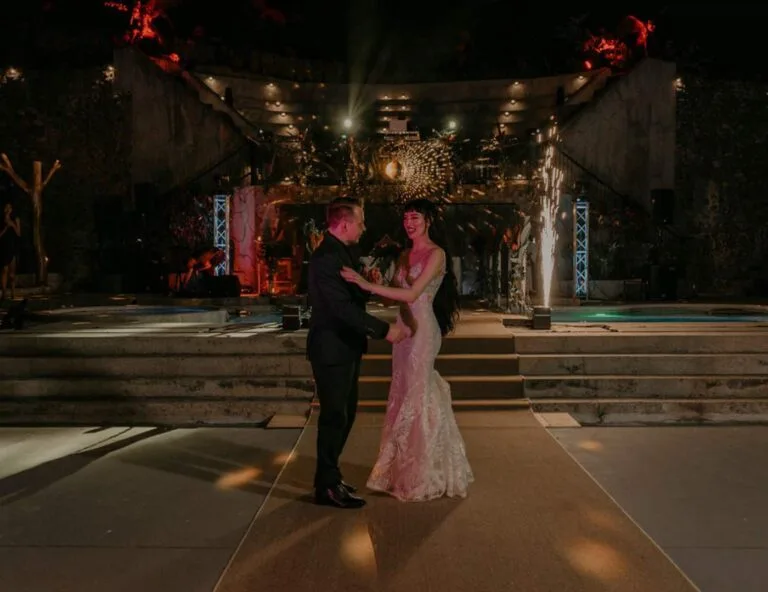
(660, 411)
(533, 521)
(648, 387)
(646, 363)
(699, 492)
(156, 366)
(706, 339)
(90, 510)
(121, 509)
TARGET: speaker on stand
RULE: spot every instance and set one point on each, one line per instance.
(663, 202)
(221, 286)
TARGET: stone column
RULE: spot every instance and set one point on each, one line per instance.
(244, 233)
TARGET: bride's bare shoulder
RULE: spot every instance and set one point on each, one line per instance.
(437, 251)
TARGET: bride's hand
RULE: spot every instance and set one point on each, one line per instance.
(353, 277)
(374, 276)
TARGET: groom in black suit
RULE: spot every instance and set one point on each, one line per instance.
(338, 337)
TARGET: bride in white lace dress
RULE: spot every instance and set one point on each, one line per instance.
(422, 454)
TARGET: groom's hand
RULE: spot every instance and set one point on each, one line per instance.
(396, 333)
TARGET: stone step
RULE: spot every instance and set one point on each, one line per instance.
(655, 411)
(529, 343)
(460, 405)
(644, 364)
(151, 401)
(139, 389)
(292, 342)
(376, 388)
(241, 411)
(450, 365)
(65, 344)
(650, 387)
(459, 345)
(156, 366)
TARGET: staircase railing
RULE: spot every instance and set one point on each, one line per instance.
(602, 193)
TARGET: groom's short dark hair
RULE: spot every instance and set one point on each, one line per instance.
(341, 208)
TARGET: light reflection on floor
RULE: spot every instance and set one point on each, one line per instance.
(238, 478)
(591, 445)
(283, 458)
(357, 551)
(596, 559)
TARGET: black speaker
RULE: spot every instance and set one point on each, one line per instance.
(291, 317)
(662, 282)
(222, 286)
(560, 96)
(663, 201)
(634, 291)
(145, 198)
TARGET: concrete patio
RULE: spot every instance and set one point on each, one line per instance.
(228, 509)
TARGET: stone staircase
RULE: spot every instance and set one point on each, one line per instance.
(150, 380)
(624, 378)
(604, 378)
(483, 373)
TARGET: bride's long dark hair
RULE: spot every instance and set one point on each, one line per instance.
(446, 303)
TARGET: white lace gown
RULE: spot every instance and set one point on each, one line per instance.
(422, 454)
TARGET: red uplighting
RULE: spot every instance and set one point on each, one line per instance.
(141, 26)
(117, 6)
(613, 51)
(617, 49)
(143, 15)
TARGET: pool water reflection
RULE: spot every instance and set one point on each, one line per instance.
(658, 314)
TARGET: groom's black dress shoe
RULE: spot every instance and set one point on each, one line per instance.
(339, 497)
(348, 487)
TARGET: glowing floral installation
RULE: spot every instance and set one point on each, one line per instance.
(419, 169)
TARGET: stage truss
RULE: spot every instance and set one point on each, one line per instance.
(221, 231)
(581, 248)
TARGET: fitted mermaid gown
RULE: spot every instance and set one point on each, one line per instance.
(422, 455)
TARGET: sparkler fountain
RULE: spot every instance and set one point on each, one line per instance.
(551, 179)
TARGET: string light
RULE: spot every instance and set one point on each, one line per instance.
(10, 74)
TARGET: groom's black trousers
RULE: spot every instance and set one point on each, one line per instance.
(337, 392)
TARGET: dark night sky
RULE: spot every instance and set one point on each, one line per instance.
(466, 38)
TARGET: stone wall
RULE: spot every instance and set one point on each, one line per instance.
(721, 184)
(176, 137)
(626, 136)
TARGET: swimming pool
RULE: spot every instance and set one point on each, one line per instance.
(659, 314)
(136, 313)
(257, 319)
(606, 315)
(130, 310)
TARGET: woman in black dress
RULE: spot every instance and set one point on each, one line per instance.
(10, 239)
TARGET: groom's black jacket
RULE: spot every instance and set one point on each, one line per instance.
(339, 326)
